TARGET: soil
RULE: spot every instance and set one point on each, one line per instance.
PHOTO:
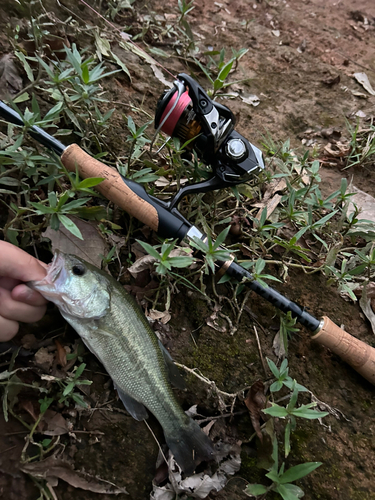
(295, 48)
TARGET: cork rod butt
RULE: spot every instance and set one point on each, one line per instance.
(112, 187)
(356, 353)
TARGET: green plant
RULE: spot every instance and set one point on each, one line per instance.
(291, 246)
(164, 261)
(362, 144)
(221, 69)
(263, 229)
(58, 209)
(287, 328)
(212, 250)
(281, 477)
(184, 9)
(67, 387)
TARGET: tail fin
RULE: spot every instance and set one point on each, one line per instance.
(189, 445)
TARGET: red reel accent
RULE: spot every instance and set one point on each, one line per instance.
(170, 124)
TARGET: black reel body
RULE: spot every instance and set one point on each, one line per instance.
(187, 112)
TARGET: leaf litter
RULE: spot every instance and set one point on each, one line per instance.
(52, 469)
(66, 242)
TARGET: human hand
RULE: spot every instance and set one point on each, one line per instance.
(17, 301)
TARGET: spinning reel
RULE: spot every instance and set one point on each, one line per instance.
(187, 112)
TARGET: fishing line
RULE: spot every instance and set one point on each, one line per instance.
(126, 37)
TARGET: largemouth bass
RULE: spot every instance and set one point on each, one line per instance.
(113, 327)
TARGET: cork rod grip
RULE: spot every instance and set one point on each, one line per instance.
(113, 187)
(356, 353)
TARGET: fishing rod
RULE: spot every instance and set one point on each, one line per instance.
(188, 113)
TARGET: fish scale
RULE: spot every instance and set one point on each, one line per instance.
(113, 327)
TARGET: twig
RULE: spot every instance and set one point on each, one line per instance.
(220, 394)
(223, 415)
(157, 442)
(260, 351)
(51, 490)
(242, 307)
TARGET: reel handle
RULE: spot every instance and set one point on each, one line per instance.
(356, 353)
(126, 194)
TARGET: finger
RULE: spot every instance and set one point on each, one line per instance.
(8, 329)
(15, 263)
(19, 311)
(8, 283)
(23, 293)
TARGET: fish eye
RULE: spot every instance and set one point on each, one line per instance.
(79, 270)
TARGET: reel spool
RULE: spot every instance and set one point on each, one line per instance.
(177, 116)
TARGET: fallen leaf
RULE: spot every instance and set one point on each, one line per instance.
(10, 80)
(28, 406)
(163, 317)
(197, 485)
(337, 150)
(271, 205)
(200, 485)
(44, 359)
(52, 469)
(251, 99)
(362, 78)
(145, 262)
(278, 346)
(370, 290)
(54, 424)
(89, 249)
(256, 401)
(366, 203)
(60, 354)
(159, 75)
(365, 304)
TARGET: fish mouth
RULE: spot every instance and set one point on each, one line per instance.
(54, 269)
(50, 282)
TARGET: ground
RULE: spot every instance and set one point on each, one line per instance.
(296, 50)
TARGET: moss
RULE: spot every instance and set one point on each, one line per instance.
(250, 471)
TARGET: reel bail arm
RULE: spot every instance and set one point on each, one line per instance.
(188, 113)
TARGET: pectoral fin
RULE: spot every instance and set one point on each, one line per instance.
(174, 374)
(136, 410)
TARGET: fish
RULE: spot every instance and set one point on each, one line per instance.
(116, 331)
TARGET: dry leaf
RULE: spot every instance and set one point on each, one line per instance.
(251, 99)
(44, 359)
(211, 321)
(60, 354)
(278, 346)
(255, 402)
(271, 205)
(198, 485)
(365, 303)
(52, 469)
(159, 75)
(54, 424)
(163, 317)
(89, 249)
(362, 78)
(366, 203)
(10, 80)
(145, 262)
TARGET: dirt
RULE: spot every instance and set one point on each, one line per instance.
(295, 48)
